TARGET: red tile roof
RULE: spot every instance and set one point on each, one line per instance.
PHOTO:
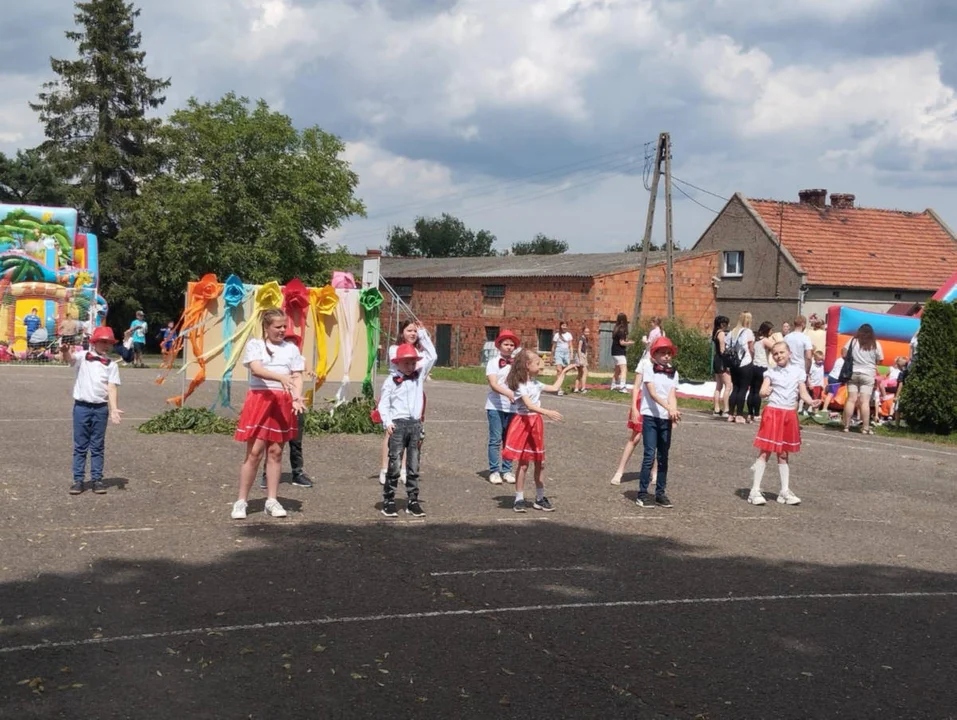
(863, 247)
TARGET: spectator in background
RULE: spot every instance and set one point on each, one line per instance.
(741, 341)
(762, 349)
(167, 337)
(866, 354)
(722, 375)
(562, 349)
(653, 334)
(139, 327)
(619, 345)
(785, 328)
(581, 358)
(817, 333)
(32, 323)
(800, 345)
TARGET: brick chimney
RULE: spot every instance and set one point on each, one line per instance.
(817, 198)
(842, 201)
(375, 252)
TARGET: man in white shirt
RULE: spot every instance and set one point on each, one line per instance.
(800, 345)
(94, 403)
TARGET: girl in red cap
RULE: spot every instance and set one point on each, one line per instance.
(268, 418)
(525, 440)
(499, 406)
(659, 412)
(94, 402)
(780, 430)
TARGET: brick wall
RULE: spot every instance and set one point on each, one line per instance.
(529, 304)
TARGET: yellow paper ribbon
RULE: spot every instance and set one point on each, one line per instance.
(323, 302)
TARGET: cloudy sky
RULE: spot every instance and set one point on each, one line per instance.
(526, 116)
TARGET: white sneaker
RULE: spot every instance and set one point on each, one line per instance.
(274, 508)
(616, 479)
(239, 510)
(561, 392)
(495, 478)
(788, 498)
(382, 477)
(756, 498)
(509, 478)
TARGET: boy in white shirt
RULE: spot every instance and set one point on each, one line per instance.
(94, 403)
(659, 412)
(400, 407)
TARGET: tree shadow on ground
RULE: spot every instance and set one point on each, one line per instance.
(514, 618)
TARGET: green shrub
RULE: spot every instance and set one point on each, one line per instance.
(190, 421)
(929, 396)
(694, 348)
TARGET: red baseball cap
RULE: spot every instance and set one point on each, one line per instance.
(406, 352)
(103, 333)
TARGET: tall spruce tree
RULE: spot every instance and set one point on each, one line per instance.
(94, 113)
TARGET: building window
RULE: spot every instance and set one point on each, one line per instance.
(733, 263)
(545, 340)
(403, 291)
(898, 296)
(491, 332)
(493, 291)
(836, 293)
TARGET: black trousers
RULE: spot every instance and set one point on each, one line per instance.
(740, 383)
(754, 396)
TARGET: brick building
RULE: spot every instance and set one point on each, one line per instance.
(779, 259)
(468, 300)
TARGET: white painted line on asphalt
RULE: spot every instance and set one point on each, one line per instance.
(61, 419)
(638, 517)
(117, 530)
(511, 610)
(577, 568)
(740, 517)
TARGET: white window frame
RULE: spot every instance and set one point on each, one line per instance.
(739, 254)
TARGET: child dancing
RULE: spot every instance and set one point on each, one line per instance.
(525, 441)
(659, 413)
(268, 418)
(400, 407)
(499, 408)
(780, 430)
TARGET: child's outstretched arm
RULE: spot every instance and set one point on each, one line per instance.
(539, 410)
(559, 380)
(115, 413)
(428, 351)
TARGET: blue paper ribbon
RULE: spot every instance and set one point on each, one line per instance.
(234, 295)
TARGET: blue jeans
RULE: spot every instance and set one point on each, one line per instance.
(498, 423)
(656, 436)
(89, 435)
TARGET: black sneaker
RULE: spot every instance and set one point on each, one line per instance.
(99, 488)
(543, 504)
(663, 501)
(520, 506)
(413, 508)
(302, 480)
(388, 509)
(76, 488)
(644, 500)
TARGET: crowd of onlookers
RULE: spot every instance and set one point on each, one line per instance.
(855, 393)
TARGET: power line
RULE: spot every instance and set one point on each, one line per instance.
(699, 189)
(695, 201)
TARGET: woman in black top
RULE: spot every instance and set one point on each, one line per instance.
(722, 374)
(620, 341)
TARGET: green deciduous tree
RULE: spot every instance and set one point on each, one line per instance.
(446, 236)
(242, 191)
(541, 244)
(94, 113)
(636, 247)
(929, 396)
(30, 179)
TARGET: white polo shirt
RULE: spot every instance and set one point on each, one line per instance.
(93, 377)
(663, 385)
(283, 359)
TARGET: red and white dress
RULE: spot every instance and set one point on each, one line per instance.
(267, 412)
(780, 430)
(525, 439)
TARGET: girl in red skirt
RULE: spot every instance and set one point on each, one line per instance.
(268, 419)
(634, 424)
(525, 439)
(780, 430)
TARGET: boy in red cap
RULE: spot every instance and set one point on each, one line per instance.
(500, 406)
(400, 406)
(94, 403)
(659, 412)
(299, 477)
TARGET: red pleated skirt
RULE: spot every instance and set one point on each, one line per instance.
(636, 427)
(525, 440)
(780, 431)
(267, 415)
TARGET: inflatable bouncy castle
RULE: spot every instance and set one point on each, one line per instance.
(46, 266)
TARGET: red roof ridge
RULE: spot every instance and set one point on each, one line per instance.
(831, 208)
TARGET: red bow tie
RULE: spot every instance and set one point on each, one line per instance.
(399, 379)
(97, 358)
(666, 369)
(503, 362)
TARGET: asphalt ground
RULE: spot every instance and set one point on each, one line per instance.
(149, 602)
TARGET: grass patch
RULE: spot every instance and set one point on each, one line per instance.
(889, 430)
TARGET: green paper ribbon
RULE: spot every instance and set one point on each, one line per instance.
(370, 300)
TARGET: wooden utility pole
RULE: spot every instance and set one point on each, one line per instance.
(662, 157)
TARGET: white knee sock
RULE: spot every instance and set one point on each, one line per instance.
(758, 469)
(784, 470)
